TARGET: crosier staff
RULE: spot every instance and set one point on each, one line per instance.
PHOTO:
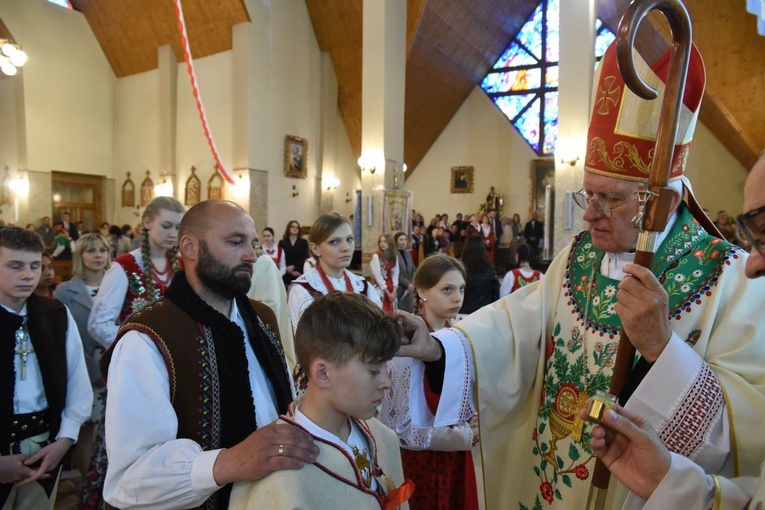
(655, 201)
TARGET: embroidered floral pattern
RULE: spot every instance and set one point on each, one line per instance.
(579, 359)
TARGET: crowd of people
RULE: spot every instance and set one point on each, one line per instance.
(213, 367)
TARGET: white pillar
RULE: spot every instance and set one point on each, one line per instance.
(382, 111)
(577, 61)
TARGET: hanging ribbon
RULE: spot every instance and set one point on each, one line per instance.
(195, 91)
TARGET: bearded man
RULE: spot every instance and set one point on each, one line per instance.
(531, 360)
(197, 378)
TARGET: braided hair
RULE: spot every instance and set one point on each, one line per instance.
(152, 211)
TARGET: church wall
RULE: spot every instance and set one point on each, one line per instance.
(717, 177)
(479, 135)
(67, 74)
(59, 106)
(287, 102)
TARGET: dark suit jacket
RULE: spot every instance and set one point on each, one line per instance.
(534, 229)
(496, 224)
(73, 234)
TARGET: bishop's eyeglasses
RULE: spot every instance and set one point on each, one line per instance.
(603, 206)
(752, 226)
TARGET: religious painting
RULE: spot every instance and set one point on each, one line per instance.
(462, 179)
(193, 193)
(128, 192)
(147, 189)
(215, 185)
(295, 157)
(542, 174)
(396, 212)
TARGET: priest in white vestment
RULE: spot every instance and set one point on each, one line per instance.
(529, 362)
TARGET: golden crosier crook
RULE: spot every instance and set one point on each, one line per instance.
(655, 214)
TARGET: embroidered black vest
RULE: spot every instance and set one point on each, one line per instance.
(47, 323)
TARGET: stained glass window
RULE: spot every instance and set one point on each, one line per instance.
(524, 81)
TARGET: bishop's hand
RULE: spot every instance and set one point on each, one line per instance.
(417, 342)
(643, 307)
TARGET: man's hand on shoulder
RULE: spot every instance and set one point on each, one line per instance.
(271, 448)
(643, 306)
(417, 342)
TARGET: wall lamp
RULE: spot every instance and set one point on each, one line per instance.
(295, 192)
(571, 161)
(370, 163)
(332, 183)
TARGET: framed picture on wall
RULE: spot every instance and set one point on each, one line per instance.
(396, 213)
(295, 157)
(462, 179)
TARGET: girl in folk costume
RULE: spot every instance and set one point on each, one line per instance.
(331, 242)
(295, 250)
(133, 281)
(438, 459)
(522, 275)
(384, 266)
(91, 260)
(273, 251)
(489, 238)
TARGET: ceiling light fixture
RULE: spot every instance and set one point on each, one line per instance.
(11, 57)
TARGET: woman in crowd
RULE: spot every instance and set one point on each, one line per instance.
(406, 270)
(295, 250)
(438, 460)
(433, 244)
(385, 270)
(47, 282)
(489, 237)
(331, 243)
(273, 251)
(119, 244)
(522, 275)
(482, 286)
(90, 262)
(133, 281)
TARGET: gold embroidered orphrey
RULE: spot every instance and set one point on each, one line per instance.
(608, 95)
(598, 151)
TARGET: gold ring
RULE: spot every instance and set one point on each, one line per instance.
(281, 450)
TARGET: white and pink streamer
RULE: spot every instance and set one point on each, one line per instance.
(195, 91)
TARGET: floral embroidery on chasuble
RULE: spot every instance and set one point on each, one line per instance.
(581, 351)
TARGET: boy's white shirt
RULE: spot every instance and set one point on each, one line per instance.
(355, 438)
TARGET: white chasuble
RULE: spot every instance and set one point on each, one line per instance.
(542, 351)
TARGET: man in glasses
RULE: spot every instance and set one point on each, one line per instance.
(533, 358)
(635, 454)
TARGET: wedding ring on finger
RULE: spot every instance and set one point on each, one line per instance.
(280, 452)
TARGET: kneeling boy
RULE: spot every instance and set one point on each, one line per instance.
(344, 341)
